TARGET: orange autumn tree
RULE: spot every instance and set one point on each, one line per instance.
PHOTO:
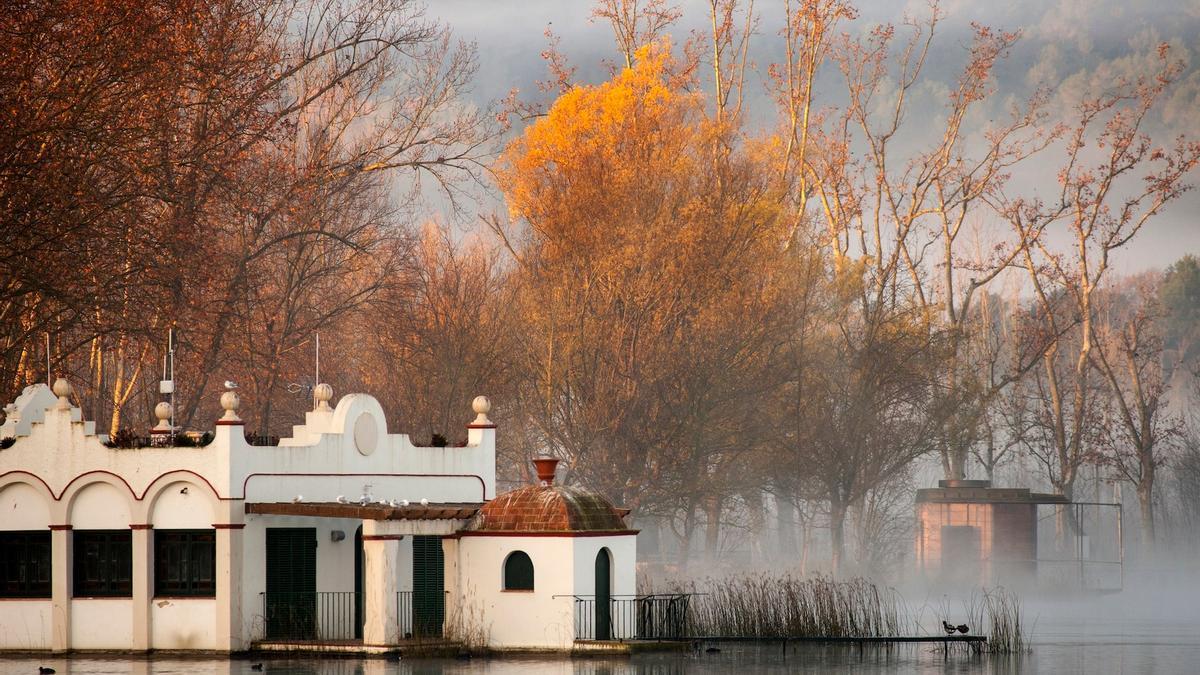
(644, 255)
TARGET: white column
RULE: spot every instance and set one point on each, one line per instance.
(61, 569)
(452, 586)
(380, 555)
(229, 632)
(143, 584)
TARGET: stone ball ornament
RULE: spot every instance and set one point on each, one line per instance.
(230, 402)
(482, 405)
(162, 412)
(323, 394)
(62, 389)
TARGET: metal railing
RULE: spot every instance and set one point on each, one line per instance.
(322, 615)
(404, 615)
(628, 617)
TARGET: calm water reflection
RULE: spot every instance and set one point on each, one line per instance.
(1133, 633)
(1162, 656)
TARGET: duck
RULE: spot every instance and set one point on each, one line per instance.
(713, 650)
(963, 628)
(45, 670)
(257, 666)
(949, 627)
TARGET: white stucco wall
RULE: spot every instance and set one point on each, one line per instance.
(24, 507)
(24, 624)
(182, 505)
(543, 618)
(623, 571)
(101, 623)
(101, 506)
(183, 623)
(335, 561)
(624, 558)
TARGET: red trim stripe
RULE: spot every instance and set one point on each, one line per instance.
(581, 533)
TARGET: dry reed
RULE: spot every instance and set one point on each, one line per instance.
(776, 607)
(999, 611)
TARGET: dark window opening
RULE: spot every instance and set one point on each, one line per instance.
(185, 563)
(103, 563)
(25, 564)
(518, 572)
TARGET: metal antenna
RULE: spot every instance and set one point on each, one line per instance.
(171, 360)
(49, 381)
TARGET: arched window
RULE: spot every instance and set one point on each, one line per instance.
(518, 572)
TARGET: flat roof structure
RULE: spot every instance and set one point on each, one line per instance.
(982, 492)
(445, 511)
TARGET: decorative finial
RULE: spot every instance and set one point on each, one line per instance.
(545, 466)
(482, 406)
(322, 394)
(160, 435)
(230, 402)
(62, 389)
(163, 412)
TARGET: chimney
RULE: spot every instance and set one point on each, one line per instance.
(545, 469)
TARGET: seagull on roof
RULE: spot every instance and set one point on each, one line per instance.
(230, 384)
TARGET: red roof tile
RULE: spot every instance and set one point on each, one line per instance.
(553, 508)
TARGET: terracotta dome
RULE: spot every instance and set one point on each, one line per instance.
(549, 508)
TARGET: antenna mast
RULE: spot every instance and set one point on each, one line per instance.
(171, 361)
(167, 384)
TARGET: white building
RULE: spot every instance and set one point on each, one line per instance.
(343, 534)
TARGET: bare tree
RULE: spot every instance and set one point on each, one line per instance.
(1129, 354)
(1113, 181)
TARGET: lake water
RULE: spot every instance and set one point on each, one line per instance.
(1141, 633)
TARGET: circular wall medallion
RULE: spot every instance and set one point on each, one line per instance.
(366, 434)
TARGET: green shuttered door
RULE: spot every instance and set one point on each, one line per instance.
(429, 599)
(291, 601)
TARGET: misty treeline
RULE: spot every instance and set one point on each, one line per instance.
(733, 329)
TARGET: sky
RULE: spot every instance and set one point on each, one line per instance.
(1071, 46)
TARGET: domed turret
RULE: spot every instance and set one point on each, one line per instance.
(547, 507)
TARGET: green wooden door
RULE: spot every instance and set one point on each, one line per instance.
(429, 598)
(603, 595)
(291, 598)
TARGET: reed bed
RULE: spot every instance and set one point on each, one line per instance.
(999, 611)
(784, 606)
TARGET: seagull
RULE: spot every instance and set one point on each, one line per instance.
(341, 499)
(297, 499)
(230, 384)
(403, 502)
(424, 502)
(963, 628)
(948, 627)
